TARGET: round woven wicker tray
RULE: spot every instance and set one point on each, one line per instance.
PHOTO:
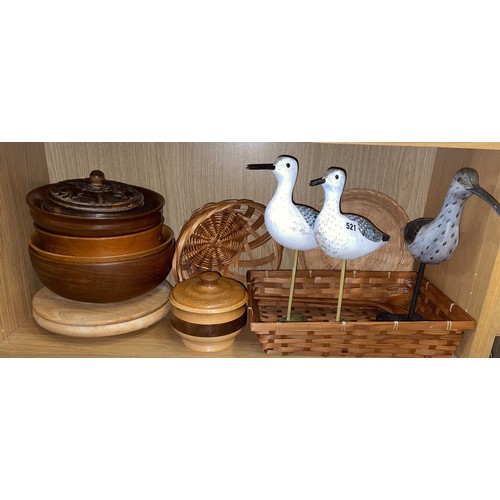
(388, 216)
(229, 237)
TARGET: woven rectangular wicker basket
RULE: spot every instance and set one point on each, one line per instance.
(358, 334)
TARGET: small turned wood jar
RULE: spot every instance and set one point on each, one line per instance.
(208, 311)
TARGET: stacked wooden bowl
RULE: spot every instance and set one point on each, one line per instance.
(99, 241)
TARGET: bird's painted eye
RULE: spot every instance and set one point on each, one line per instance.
(337, 176)
(288, 165)
(460, 179)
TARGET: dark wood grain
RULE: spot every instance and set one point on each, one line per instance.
(212, 330)
(103, 282)
(103, 246)
(110, 225)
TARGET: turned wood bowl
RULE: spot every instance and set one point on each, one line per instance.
(112, 224)
(103, 246)
(104, 279)
(167, 238)
(208, 311)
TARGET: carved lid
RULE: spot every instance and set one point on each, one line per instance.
(208, 293)
(93, 196)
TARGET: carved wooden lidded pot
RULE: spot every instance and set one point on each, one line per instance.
(92, 197)
(94, 206)
(208, 311)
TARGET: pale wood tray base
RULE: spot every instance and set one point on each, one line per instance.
(84, 319)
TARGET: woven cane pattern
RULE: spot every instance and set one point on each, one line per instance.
(366, 293)
(229, 237)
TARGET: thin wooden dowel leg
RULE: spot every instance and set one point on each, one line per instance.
(292, 285)
(341, 289)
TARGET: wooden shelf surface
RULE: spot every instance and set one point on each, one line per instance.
(493, 146)
(157, 341)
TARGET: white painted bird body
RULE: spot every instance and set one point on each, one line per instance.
(343, 236)
(288, 223)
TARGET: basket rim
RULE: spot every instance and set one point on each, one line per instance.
(433, 326)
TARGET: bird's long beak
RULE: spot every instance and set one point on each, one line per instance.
(317, 182)
(261, 166)
(485, 196)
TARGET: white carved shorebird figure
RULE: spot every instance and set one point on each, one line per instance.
(432, 241)
(339, 235)
(288, 223)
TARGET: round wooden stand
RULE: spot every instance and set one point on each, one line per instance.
(84, 319)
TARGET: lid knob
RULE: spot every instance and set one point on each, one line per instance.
(96, 178)
(209, 278)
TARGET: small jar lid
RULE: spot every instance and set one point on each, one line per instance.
(208, 293)
(93, 196)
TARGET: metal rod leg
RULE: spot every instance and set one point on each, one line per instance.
(414, 298)
(292, 285)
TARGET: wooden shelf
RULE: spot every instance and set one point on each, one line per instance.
(157, 341)
(492, 146)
